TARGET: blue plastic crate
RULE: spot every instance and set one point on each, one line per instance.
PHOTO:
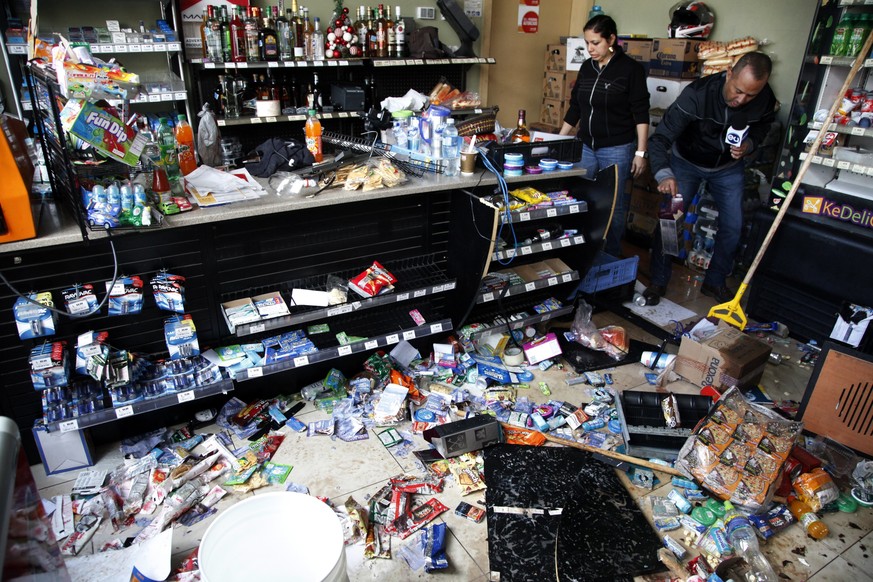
(608, 272)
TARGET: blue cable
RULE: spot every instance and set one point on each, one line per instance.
(504, 190)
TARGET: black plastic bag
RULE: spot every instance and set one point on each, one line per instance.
(280, 154)
(424, 43)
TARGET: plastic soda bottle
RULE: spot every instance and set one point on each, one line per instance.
(185, 146)
(741, 535)
(313, 136)
(451, 151)
(803, 513)
(167, 147)
(160, 186)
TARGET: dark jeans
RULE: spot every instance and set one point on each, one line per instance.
(725, 186)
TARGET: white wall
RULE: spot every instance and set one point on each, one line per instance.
(785, 23)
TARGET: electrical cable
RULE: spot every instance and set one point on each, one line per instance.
(73, 315)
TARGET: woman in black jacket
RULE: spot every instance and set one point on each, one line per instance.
(610, 104)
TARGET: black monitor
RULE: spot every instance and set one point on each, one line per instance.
(461, 24)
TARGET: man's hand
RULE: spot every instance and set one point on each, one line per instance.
(638, 166)
(741, 150)
(668, 186)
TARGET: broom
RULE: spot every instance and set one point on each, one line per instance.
(731, 312)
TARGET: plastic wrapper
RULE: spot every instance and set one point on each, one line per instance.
(208, 138)
(617, 336)
(816, 488)
(433, 541)
(586, 333)
(374, 281)
(467, 471)
(378, 543)
(769, 524)
(464, 100)
(337, 290)
(863, 477)
(738, 450)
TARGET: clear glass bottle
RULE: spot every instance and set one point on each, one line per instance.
(204, 25)
(238, 36)
(307, 35)
(253, 52)
(213, 37)
(285, 30)
(226, 41)
(399, 34)
(317, 41)
(360, 26)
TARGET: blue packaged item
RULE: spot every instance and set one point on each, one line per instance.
(169, 292)
(34, 319)
(49, 367)
(679, 500)
(180, 334)
(684, 483)
(125, 297)
(80, 300)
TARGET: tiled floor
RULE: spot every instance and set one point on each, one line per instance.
(337, 470)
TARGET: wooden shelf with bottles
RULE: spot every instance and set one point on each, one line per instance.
(400, 62)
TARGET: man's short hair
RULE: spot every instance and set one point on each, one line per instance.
(758, 63)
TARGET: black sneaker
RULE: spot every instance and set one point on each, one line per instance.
(721, 293)
(653, 294)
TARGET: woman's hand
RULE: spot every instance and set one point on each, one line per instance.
(638, 166)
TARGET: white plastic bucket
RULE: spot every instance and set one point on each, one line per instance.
(274, 536)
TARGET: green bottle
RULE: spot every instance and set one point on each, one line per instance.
(841, 35)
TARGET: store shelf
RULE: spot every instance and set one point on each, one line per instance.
(146, 47)
(859, 131)
(474, 111)
(387, 334)
(542, 247)
(540, 213)
(839, 164)
(282, 64)
(284, 118)
(856, 2)
(416, 279)
(457, 61)
(519, 323)
(143, 406)
(837, 61)
(515, 290)
(16, 48)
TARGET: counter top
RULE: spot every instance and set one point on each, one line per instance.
(63, 230)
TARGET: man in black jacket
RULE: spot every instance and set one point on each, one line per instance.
(689, 147)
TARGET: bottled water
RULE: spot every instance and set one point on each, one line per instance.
(451, 152)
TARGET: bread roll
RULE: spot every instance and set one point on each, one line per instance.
(711, 49)
(741, 46)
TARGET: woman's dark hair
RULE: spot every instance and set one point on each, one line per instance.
(602, 25)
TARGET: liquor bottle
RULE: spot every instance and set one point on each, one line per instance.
(360, 26)
(297, 21)
(391, 34)
(285, 30)
(313, 94)
(520, 133)
(185, 146)
(226, 42)
(399, 34)
(213, 37)
(317, 41)
(252, 48)
(312, 129)
(204, 24)
(371, 33)
(238, 36)
(269, 102)
(381, 33)
(268, 40)
(307, 35)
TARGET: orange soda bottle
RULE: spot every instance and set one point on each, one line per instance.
(313, 136)
(803, 513)
(185, 141)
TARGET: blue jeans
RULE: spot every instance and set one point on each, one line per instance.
(726, 188)
(594, 161)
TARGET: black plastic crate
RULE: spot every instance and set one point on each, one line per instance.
(563, 150)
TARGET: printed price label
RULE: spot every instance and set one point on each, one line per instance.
(844, 165)
(392, 339)
(166, 96)
(579, 239)
(243, 65)
(859, 169)
(134, 48)
(339, 310)
(566, 277)
(817, 159)
(371, 345)
(402, 296)
(148, 48)
(180, 95)
(186, 396)
(270, 119)
(450, 286)
(256, 120)
(553, 281)
(257, 328)
(124, 411)
(547, 246)
(826, 60)
(69, 425)
(858, 131)
(408, 335)
(488, 297)
(829, 162)
(343, 63)
(552, 212)
(522, 216)
(301, 361)
(302, 63)
(526, 250)
(436, 328)
(530, 286)
(154, 98)
(574, 208)
(344, 350)
(331, 63)
(510, 253)
(15, 49)
(477, 111)
(221, 123)
(120, 48)
(419, 293)
(174, 46)
(104, 48)
(272, 64)
(255, 372)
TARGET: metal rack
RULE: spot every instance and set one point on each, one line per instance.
(410, 165)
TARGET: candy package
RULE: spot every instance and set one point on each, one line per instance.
(373, 281)
(738, 450)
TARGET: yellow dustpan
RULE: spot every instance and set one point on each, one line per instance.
(731, 312)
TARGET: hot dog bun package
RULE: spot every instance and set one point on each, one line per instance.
(738, 450)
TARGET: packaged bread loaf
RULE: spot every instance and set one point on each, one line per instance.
(711, 49)
(741, 46)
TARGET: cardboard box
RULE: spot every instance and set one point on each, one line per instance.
(726, 358)
(554, 86)
(552, 112)
(674, 57)
(63, 451)
(107, 133)
(642, 216)
(464, 436)
(663, 91)
(541, 270)
(577, 53)
(556, 58)
(542, 349)
(569, 83)
(639, 49)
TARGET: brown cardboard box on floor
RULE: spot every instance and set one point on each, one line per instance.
(726, 358)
